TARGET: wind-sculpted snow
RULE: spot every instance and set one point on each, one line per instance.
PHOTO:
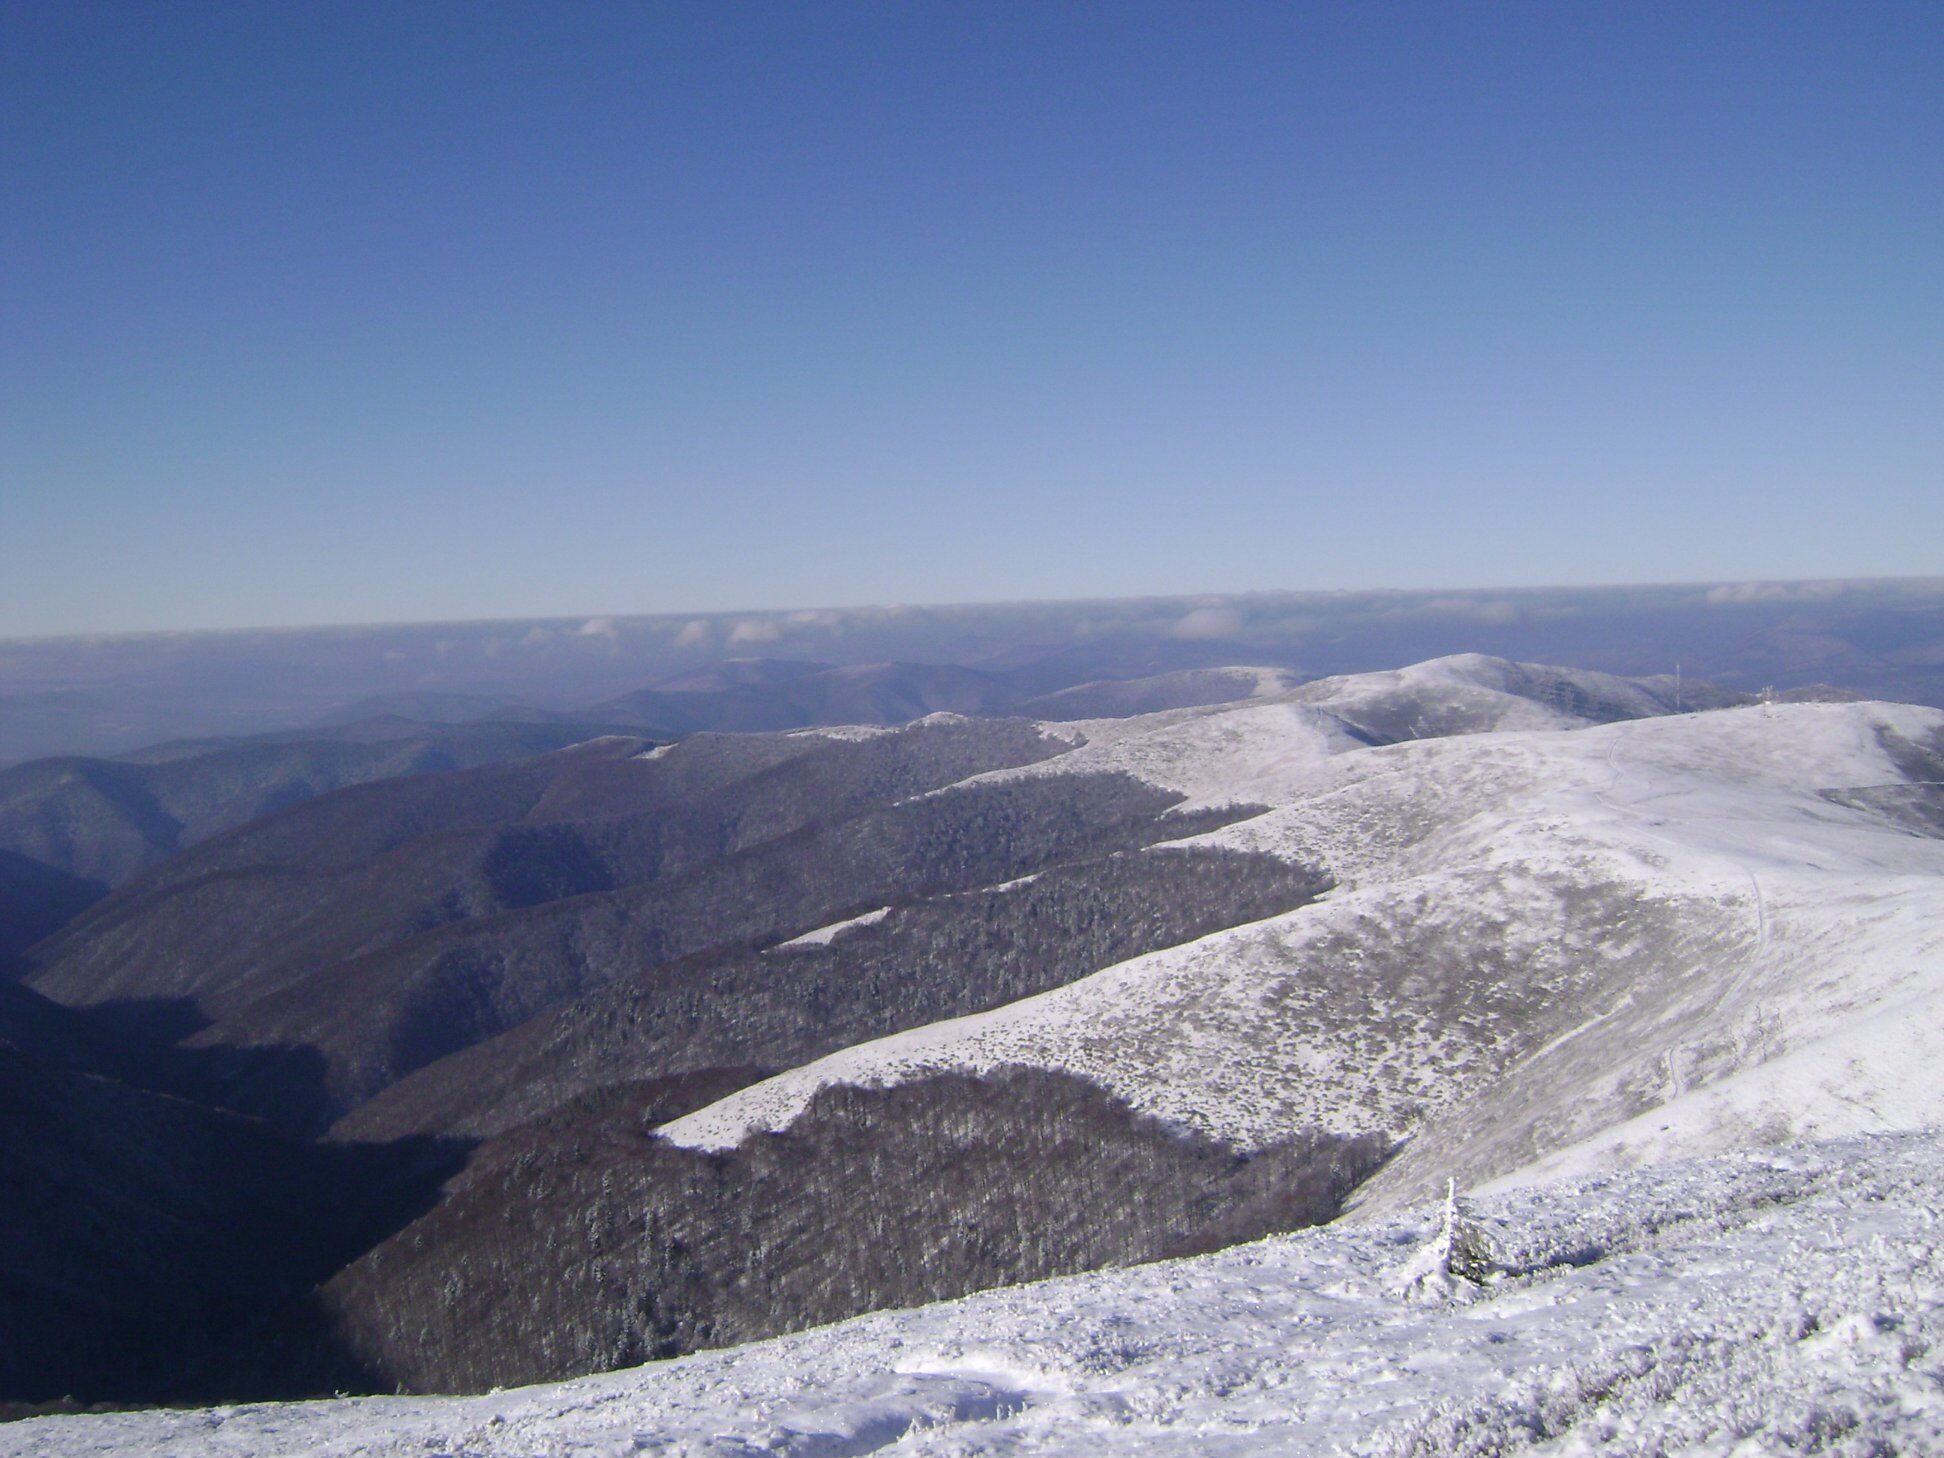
(1788, 1300)
(1663, 933)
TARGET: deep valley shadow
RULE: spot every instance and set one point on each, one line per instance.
(143, 1230)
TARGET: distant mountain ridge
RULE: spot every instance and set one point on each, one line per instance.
(108, 819)
(106, 695)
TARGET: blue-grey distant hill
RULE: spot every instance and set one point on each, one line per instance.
(72, 827)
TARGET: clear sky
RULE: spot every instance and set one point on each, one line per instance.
(359, 312)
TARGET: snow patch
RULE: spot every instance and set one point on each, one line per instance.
(823, 936)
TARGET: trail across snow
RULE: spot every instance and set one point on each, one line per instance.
(1780, 1301)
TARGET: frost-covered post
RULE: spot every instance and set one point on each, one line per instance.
(1468, 1251)
(1457, 1259)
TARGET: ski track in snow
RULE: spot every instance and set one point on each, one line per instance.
(1789, 1300)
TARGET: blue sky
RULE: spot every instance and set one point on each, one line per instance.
(360, 312)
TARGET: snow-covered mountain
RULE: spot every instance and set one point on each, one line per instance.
(1582, 945)
(1518, 925)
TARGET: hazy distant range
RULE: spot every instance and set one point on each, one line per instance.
(105, 694)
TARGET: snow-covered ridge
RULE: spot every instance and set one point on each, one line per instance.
(1269, 745)
(1630, 940)
(1790, 1300)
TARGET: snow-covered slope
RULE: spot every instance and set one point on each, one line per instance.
(1635, 939)
(1784, 1301)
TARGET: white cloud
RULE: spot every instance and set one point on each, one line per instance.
(1780, 591)
(1208, 622)
(695, 634)
(598, 628)
(754, 630)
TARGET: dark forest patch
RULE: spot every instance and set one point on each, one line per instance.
(590, 1243)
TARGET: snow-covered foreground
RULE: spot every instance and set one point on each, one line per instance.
(1781, 1301)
